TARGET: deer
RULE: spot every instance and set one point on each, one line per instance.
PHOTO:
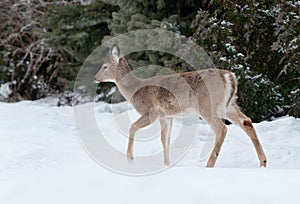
(209, 93)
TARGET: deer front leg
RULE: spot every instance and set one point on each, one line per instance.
(166, 125)
(143, 121)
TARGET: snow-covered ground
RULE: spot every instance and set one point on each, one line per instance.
(42, 161)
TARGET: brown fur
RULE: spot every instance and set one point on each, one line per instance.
(167, 96)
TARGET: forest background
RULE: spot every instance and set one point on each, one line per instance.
(43, 44)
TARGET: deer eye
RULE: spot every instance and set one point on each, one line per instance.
(104, 67)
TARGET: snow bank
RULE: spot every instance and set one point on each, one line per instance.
(42, 161)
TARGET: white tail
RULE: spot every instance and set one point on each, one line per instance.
(210, 93)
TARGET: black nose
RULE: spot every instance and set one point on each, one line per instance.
(95, 80)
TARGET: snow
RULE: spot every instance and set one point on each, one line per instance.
(226, 23)
(230, 47)
(5, 90)
(42, 161)
(293, 45)
(240, 55)
(223, 59)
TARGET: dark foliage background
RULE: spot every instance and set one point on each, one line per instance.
(44, 43)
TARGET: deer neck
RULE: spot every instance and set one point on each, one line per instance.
(126, 81)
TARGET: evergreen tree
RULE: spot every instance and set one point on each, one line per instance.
(171, 15)
(43, 45)
(259, 41)
(77, 30)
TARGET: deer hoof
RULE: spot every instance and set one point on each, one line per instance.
(263, 163)
(129, 156)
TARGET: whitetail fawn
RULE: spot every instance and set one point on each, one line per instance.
(209, 93)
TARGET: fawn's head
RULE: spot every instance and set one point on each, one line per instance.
(108, 70)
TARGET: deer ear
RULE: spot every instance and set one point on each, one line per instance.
(115, 53)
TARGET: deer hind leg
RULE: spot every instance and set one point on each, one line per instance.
(143, 121)
(166, 125)
(237, 117)
(220, 131)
